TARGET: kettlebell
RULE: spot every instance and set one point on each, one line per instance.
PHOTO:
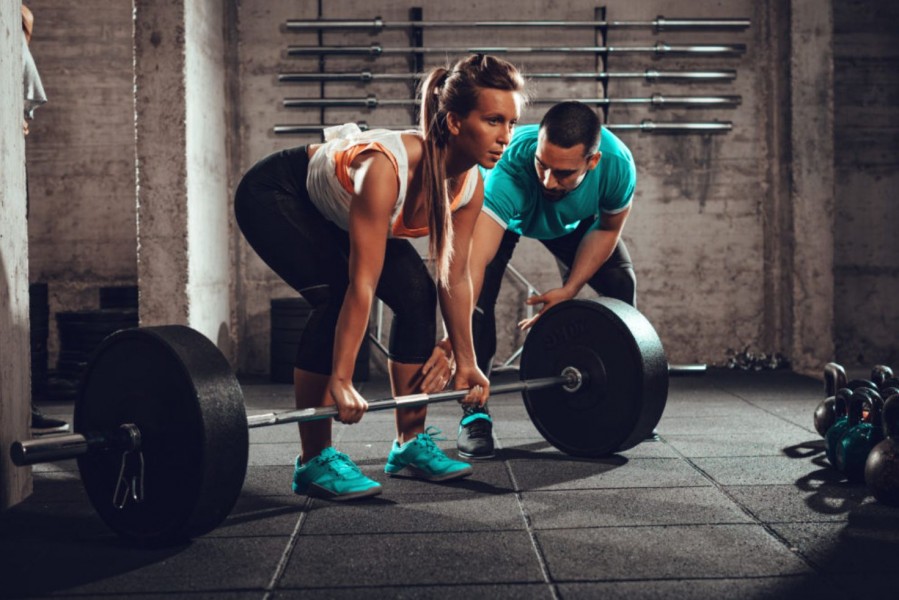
(882, 466)
(880, 373)
(860, 437)
(825, 415)
(834, 379)
(836, 431)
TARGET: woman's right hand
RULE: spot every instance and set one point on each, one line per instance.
(350, 404)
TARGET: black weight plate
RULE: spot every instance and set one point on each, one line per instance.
(621, 355)
(179, 390)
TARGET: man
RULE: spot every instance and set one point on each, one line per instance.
(568, 183)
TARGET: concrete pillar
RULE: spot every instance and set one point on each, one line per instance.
(182, 163)
(811, 126)
(15, 366)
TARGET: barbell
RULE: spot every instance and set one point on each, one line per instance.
(657, 100)
(162, 438)
(378, 24)
(659, 48)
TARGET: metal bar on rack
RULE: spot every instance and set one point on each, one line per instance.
(378, 50)
(649, 75)
(373, 101)
(659, 24)
(646, 126)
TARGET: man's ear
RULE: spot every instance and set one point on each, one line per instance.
(593, 160)
(453, 123)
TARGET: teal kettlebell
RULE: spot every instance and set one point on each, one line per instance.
(860, 437)
(841, 424)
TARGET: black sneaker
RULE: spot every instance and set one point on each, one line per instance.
(476, 434)
(41, 424)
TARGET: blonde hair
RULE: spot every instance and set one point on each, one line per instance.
(445, 90)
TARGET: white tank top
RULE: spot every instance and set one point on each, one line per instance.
(332, 199)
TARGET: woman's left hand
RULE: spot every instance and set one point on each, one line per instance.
(439, 369)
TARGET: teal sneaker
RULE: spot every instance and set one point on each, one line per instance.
(424, 459)
(333, 475)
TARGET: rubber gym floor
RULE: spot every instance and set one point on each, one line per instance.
(734, 500)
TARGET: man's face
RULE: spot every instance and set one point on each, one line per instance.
(560, 170)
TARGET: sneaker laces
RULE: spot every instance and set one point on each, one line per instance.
(430, 435)
(479, 428)
(342, 466)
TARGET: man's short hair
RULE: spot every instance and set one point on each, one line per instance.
(568, 124)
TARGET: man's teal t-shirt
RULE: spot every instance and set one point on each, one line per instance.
(513, 196)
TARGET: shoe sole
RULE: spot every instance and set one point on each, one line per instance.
(476, 456)
(317, 491)
(419, 474)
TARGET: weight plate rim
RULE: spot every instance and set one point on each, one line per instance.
(199, 520)
(653, 366)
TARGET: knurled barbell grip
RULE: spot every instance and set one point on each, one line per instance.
(329, 412)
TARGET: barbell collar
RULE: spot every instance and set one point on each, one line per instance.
(378, 50)
(648, 75)
(64, 447)
(571, 379)
(378, 24)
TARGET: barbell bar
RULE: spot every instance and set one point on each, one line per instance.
(162, 435)
(648, 75)
(371, 101)
(128, 438)
(645, 126)
(378, 24)
(378, 50)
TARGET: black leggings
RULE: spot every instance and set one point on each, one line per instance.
(616, 279)
(311, 254)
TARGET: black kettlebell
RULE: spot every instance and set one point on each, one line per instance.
(882, 466)
(825, 415)
(834, 379)
(880, 373)
(862, 383)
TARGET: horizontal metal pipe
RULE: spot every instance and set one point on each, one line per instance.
(649, 75)
(688, 370)
(659, 24)
(647, 126)
(372, 101)
(659, 48)
(328, 412)
(57, 447)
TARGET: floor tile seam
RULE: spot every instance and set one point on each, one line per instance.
(412, 586)
(528, 525)
(281, 567)
(410, 533)
(767, 411)
(774, 534)
(652, 526)
(613, 488)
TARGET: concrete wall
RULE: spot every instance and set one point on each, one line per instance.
(866, 252)
(713, 232)
(15, 366)
(81, 224)
(209, 206)
(698, 227)
(182, 159)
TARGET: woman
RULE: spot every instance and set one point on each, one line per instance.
(330, 218)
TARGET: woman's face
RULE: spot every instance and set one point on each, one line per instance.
(484, 133)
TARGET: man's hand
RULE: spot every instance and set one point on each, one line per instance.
(550, 298)
(25, 127)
